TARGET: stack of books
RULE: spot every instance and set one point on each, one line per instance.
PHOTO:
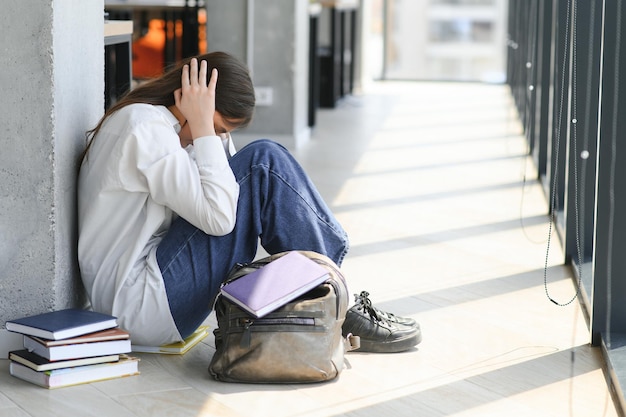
(70, 347)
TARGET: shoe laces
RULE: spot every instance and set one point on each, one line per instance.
(363, 301)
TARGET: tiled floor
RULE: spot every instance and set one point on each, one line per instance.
(428, 180)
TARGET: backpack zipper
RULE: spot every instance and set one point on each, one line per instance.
(307, 324)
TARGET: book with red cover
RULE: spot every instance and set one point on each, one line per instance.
(101, 336)
(76, 350)
(62, 324)
(275, 284)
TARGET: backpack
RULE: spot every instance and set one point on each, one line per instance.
(297, 343)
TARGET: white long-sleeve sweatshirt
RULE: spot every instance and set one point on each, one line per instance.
(134, 180)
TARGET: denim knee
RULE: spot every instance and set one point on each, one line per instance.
(262, 147)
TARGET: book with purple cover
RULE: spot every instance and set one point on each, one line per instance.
(275, 284)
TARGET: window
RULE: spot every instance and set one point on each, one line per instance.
(438, 40)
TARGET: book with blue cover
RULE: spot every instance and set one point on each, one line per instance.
(62, 324)
(275, 284)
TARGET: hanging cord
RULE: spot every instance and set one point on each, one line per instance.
(571, 14)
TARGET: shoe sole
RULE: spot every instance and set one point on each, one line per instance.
(393, 346)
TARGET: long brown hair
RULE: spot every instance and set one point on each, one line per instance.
(234, 93)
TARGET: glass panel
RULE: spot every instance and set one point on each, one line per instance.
(460, 30)
(465, 2)
(444, 39)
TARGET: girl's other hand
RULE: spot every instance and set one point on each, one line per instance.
(196, 99)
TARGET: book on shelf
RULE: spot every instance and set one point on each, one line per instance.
(275, 284)
(178, 348)
(39, 363)
(63, 377)
(58, 352)
(62, 324)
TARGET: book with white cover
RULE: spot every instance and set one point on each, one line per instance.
(275, 284)
(64, 377)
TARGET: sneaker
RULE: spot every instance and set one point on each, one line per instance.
(377, 333)
(363, 298)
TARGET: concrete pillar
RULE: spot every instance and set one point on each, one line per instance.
(271, 36)
(52, 83)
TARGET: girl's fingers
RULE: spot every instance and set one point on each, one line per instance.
(184, 78)
(213, 80)
(196, 75)
(193, 71)
(202, 74)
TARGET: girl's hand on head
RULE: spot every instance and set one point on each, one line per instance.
(196, 99)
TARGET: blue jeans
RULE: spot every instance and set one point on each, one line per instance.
(278, 203)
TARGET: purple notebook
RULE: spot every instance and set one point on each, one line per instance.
(275, 284)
